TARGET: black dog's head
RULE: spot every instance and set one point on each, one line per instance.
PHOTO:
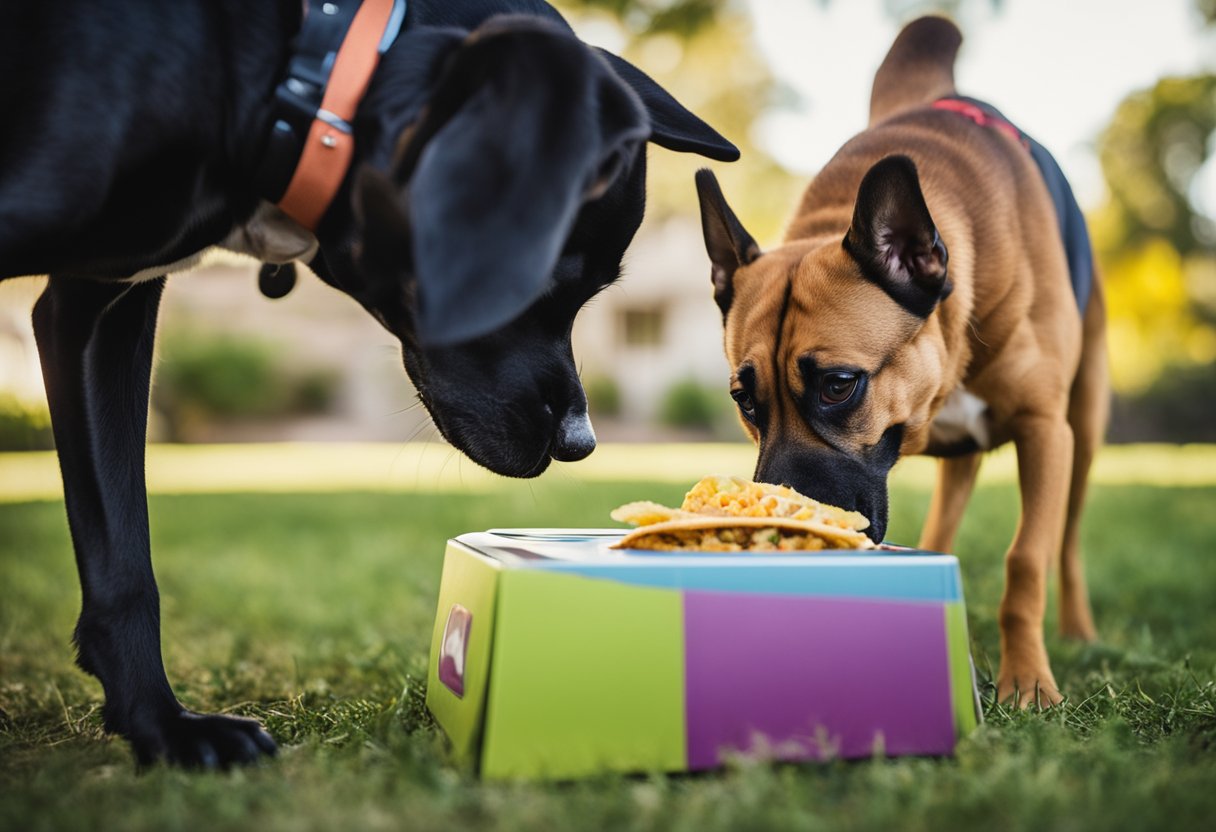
(485, 217)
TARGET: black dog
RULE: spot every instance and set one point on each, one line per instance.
(497, 175)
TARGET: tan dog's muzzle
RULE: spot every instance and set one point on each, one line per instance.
(832, 477)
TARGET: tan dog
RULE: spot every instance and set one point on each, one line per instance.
(852, 344)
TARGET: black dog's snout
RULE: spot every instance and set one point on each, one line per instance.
(573, 438)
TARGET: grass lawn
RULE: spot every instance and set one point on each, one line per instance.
(312, 611)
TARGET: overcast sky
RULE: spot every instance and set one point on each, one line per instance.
(1057, 68)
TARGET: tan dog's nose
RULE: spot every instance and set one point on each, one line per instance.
(574, 438)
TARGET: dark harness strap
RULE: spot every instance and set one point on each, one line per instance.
(1073, 231)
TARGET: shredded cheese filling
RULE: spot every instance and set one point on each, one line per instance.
(801, 524)
(731, 540)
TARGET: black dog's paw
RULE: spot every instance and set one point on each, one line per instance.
(206, 741)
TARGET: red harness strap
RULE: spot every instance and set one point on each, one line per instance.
(329, 148)
(980, 117)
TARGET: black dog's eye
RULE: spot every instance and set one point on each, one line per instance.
(837, 388)
(746, 405)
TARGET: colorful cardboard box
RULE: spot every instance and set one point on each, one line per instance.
(555, 656)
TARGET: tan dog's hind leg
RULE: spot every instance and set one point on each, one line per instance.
(1044, 449)
(955, 480)
(1088, 409)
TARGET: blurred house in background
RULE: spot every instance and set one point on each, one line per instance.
(653, 334)
(234, 366)
(319, 367)
(1131, 115)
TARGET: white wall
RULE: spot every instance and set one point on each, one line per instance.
(666, 267)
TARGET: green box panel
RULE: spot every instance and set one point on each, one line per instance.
(962, 690)
(588, 676)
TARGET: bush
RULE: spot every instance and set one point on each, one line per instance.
(603, 396)
(315, 391)
(24, 427)
(691, 404)
(222, 376)
(1178, 407)
(216, 378)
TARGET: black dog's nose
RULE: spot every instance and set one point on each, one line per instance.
(574, 438)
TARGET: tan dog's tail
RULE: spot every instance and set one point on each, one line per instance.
(918, 69)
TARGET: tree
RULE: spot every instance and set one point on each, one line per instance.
(1156, 246)
(647, 18)
(1152, 149)
(701, 51)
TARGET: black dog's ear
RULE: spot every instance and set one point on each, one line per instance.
(671, 125)
(894, 240)
(525, 125)
(383, 254)
(726, 240)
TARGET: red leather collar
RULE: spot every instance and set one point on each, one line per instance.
(328, 148)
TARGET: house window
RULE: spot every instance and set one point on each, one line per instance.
(642, 327)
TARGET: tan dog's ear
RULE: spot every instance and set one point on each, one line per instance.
(894, 240)
(726, 240)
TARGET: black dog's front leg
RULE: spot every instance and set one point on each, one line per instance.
(95, 341)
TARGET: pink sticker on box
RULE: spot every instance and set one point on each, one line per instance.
(453, 648)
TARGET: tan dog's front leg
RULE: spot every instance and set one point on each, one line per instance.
(955, 482)
(1044, 448)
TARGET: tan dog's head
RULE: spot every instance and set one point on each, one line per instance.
(831, 340)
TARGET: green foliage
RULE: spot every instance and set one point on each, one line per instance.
(603, 396)
(314, 613)
(22, 427)
(1157, 141)
(316, 390)
(207, 378)
(1156, 249)
(1207, 8)
(683, 18)
(703, 53)
(691, 404)
(224, 375)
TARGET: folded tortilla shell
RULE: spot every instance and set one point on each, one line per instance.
(833, 535)
(644, 513)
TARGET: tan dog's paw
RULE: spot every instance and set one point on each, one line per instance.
(1030, 685)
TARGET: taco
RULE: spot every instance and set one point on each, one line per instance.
(742, 534)
(737, 497)
(731, 514)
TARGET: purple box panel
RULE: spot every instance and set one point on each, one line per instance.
(785, 674)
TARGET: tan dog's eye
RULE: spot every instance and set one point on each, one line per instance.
(837, 388)
(746, 405)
